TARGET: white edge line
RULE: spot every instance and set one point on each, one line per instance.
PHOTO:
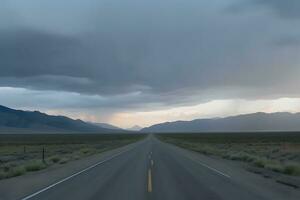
(213, 169)
(207, 166)
(73, 175)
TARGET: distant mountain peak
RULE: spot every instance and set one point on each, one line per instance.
(106, 125)
(135, 128)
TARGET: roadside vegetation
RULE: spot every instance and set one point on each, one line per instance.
(278, 152)
(20, 154)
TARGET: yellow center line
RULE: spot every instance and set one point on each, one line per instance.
(149, 181)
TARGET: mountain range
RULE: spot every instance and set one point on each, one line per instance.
(281, 121)
(34, 121)
(12, 120)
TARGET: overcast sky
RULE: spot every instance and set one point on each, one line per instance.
(130, 62)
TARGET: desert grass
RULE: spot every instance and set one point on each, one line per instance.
(278, 152)
(21, 154)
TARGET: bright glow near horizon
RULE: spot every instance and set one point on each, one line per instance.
(64, 103)
(215, 108)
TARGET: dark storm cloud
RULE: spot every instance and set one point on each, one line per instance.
(288, 41)
(167, 51)
(52, 61)
(286, 9)
(32, 53)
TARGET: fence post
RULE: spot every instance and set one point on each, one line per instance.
(43, 154)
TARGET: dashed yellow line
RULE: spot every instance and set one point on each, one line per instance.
(149, 181)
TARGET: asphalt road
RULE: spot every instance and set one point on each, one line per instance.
(155, 170)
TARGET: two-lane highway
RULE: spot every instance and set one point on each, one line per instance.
(155, 170)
